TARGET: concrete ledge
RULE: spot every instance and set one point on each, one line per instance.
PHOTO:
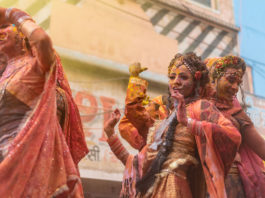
(108, 64)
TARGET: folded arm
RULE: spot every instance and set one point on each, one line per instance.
(40, 42)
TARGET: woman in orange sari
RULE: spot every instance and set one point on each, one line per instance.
(38, 156)
(164, 166)
(246, 178)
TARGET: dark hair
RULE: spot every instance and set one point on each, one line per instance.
(149, 178)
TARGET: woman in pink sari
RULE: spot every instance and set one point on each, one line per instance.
(38, 156)
(246, 178)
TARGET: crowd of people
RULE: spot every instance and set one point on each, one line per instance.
(197, 141)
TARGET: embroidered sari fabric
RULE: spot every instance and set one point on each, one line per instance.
(39, 159)
(233, 184)
(213, 136)
(72, 125)
(172, 180)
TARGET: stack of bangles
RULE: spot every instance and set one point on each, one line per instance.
(195, 126)
(22, 21)
(117, 147)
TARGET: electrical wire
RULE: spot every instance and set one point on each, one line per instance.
(100, 81)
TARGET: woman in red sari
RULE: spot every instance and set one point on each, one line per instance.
(168, 165)
(38, 156)
(246, 178)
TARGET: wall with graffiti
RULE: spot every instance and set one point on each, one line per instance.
(97, 92)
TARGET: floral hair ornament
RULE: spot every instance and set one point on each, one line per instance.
(222, 63)
(210, 61)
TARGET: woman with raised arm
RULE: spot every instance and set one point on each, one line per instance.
(194, 137)
(157, 109)
(246, 178)
(38, 156)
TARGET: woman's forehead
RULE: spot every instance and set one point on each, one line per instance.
(234, 70)
(176, 69)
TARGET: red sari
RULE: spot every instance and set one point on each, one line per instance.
(250, 179)
(40, 159)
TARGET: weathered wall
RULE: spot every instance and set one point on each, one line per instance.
(97, 92)
(224, 9)
(111, 33)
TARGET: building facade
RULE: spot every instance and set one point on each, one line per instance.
(250, 18)
(98, 39)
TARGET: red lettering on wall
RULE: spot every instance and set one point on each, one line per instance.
(107, 104)
(87, 113)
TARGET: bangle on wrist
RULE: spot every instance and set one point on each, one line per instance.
(189, 120)
(28, 27)
(190, 123)
(7, 13)
(17, 17)
(22, 20)
(113, 135)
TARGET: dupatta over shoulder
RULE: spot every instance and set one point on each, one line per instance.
(217, 142)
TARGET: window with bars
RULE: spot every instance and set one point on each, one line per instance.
(209, 3)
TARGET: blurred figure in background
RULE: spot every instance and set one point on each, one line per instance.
(38, 155)
(246, 178)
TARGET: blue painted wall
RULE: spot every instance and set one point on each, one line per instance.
(250, 17)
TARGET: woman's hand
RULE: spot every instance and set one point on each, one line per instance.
(181, 108)
(135, 69)
(111, 122)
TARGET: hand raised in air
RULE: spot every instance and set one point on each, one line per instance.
(111, 122)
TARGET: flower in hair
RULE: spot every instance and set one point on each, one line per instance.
(198, 75)
(224, 62)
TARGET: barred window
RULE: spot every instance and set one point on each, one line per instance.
(209, 3)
